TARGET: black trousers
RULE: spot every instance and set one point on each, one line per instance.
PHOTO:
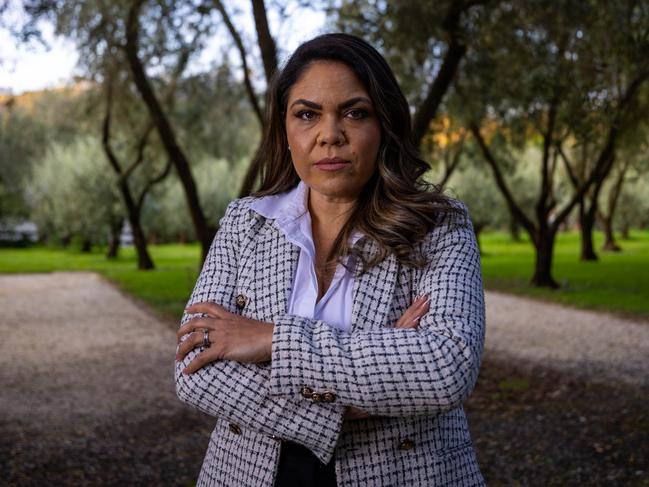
(299, 467)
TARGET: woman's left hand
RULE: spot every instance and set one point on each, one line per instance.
(231, 337)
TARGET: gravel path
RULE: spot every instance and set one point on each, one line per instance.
(87, 387)
(88, 397)
(597, 346)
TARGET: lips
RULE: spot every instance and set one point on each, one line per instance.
(329, 161)
(332, 164)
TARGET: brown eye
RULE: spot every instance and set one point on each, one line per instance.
(357, 113)
(306, 115)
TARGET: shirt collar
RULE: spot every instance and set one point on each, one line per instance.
(288, 207)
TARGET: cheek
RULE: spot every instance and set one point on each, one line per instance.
(369, 144)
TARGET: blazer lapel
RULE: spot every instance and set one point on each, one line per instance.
(373, 292)
(275, 265)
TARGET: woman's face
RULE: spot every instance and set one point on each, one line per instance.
(329, 114)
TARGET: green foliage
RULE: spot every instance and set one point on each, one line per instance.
(73, 192)
(633, 206)
(21, 141)
(165, 214)
(214, 117)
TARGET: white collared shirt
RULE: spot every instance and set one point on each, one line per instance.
(290, 210)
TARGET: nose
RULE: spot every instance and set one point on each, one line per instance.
(332, 132)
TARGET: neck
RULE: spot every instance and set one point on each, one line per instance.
(330, 213)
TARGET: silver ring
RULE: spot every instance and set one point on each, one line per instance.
(206, 338)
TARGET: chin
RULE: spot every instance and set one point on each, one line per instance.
(336, 187)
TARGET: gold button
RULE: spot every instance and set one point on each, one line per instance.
(328, 396)
(406, 444)
(241, 301)
(316, 397)
(234, 428)
(306, 392)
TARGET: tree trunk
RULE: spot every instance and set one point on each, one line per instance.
(625, 232)
(544, 244)
(428, 109)
(587, 248)
(204, 232)
(609, 237)
(264, 39)
(607, 220)
(144, 261)
(514, 229)
(86, 245)
(114, 241)
(586, 228)
(251, 176)
(586, 223)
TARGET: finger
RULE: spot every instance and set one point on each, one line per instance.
(194, 324)
(211, 309)
(408, 313)
(194, 340)
(411, 312)
(202, 359)
(418, 309)
(196, 364)
(421, 313)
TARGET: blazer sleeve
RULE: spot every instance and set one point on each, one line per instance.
(391, 371)
(238, 392)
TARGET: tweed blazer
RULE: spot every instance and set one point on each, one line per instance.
(413, 382)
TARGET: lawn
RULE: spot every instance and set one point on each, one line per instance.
(166, 288)
(618, 282)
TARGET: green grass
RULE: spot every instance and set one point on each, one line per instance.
(166, 288)
(619, 282)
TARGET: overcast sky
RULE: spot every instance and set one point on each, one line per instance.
(28, 68)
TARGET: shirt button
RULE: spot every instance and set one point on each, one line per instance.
(235, 428)
(306, 392)
(406, 444)
(316, 397)
(241, 301)
(328, 396)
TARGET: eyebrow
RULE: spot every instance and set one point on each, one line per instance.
(341, 106)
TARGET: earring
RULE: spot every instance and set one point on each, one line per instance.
(289, 148)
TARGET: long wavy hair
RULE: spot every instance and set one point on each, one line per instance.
(396, 208)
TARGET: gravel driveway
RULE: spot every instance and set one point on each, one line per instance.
(596, 346)
(87, 388)
(88, 396)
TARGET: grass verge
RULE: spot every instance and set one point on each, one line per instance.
(618, 282)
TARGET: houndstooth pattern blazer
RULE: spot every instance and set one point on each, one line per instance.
(412, 381)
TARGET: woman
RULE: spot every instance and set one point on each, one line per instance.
(337, 324)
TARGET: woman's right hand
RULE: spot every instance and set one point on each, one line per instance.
(409, 319)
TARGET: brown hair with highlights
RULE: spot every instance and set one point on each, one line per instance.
(397, 207)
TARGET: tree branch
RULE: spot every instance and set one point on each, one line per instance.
(152, 182)
(265, 39)
(252, 96)
(515, 210)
